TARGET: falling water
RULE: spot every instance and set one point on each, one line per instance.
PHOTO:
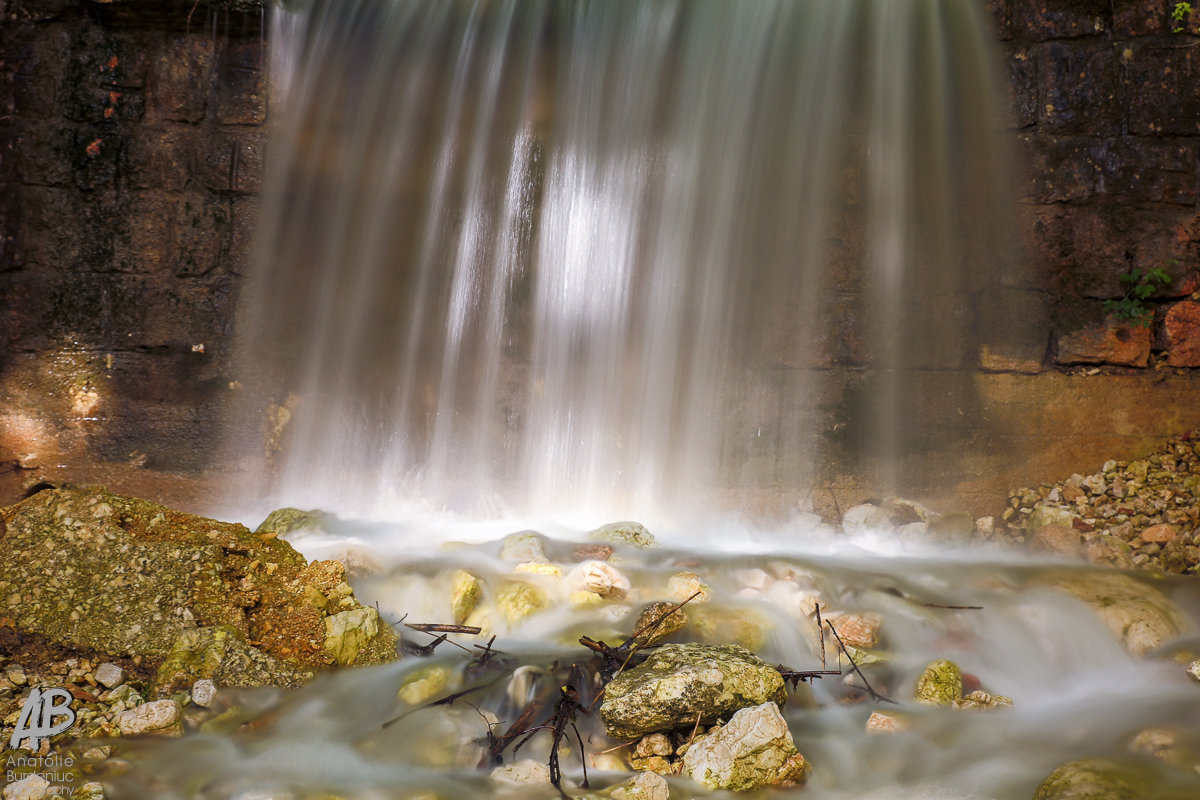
(548, 255)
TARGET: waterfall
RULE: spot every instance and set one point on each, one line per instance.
(553, 257)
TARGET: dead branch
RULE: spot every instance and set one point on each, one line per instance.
(854, 666)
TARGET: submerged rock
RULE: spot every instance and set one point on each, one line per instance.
(1097, 779)
(1139, 615)
(465, 593)
(630, 533)
(654, 623)
(941, 684)
(755, 748)
(679, 683)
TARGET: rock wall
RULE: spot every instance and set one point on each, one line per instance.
(131, 149)
(132, 137)
(1104, 100)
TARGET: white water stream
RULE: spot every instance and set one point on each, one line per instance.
(592, 260)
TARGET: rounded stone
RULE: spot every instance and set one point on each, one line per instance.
(679, 683)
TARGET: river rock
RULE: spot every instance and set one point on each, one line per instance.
(522, 773)
(110, 675)
(886, 722)
(160, 717)
(601, 578)
(1096, 779)
(217, 653)
(941, 684)
(283, 521)
(630, 533)
(654, 623)
(755, 748)
(680, 682)
(31, 787)
(983, 701)
(645, 786)
(524, 547)
(348, 632)
(465, 592)
(1061, 539)
(1139, 615)
(141, 574)
(518, 600)
(204, 692)
(858, 630)
(1193, 670)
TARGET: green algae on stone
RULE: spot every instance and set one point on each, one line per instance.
(283, 521)
(654, 623)
(940, 684)
(219, 654)
(680, 682)
(1102, 779)
(91, 570)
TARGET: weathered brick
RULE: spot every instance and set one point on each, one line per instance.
(1079, 89)
(1160, 81)
(1073, 168)
(1059, 19)
(106, 78)
(1088, 335)
(162, 158)
(179, 80)
(1140, 17)
(240, 84)
(234, 161)
(1181, 330)
(1001, 11)
(244, 222)
(1022, 87)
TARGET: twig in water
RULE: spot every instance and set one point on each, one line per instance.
(953, 608)
(850, 658)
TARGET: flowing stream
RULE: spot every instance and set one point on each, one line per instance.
(576, 261)
(1020, 627)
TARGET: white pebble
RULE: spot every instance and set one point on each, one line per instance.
(148, 718)
(204, 692)
(34, 787)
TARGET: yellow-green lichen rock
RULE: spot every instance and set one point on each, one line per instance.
(464, 595)
(680, 682)
(940, 684)
(283, 521)
(218, 653)
(755, 748)
(348, 632)
(517, 600)
(1100, 779)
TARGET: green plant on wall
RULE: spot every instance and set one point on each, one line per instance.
(1139, 286)
(1178, 14)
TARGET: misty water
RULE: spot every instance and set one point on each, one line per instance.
(547, 265)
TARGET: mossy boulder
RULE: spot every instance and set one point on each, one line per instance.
(679, 683)
(93, 571)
